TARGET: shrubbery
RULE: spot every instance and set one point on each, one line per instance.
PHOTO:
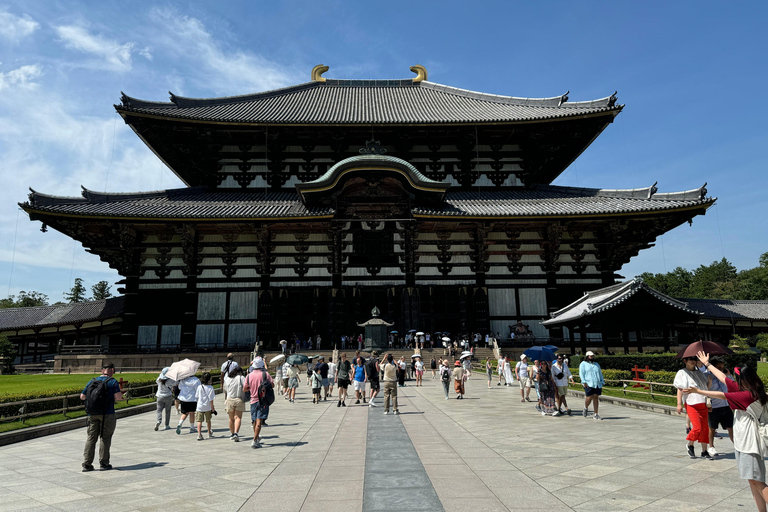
(667, 361)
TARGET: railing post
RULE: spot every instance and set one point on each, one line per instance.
(66, 404)
(24, 410)
(651, 389)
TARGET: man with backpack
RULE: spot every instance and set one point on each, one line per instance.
(372, 369)
(259, 383)
(100, 395)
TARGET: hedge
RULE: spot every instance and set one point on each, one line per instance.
(667, 361)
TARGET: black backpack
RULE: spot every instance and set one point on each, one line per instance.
(445, 375)
(266, 391)
(97, 397)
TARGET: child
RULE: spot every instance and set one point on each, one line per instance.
(293, 382)
(316, 381)
(205, 395)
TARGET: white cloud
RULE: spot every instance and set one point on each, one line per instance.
(146, 52)
(112, 55)
(224, 71)
(16, 27)
(21, 77)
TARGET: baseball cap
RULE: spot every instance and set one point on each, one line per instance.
(108, 365)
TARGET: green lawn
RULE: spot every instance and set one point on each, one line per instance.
(762, 369)
(617, 392)
(10, 384)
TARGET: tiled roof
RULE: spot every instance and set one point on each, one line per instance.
(13, 319)
(731, 310)
(368, 101)
(603, 299)
(201, 203)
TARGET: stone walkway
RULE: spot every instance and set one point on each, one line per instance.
(488, 452)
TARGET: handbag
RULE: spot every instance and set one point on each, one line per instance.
(543, 387)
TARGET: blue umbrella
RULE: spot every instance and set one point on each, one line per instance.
(540, 353)
(552, 348)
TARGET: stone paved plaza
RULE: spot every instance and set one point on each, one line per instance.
(488, 452)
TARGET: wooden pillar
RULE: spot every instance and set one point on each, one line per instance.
(130, 324)
(625, 340)
(605, 335)
(639, 335)
(572, 340)
(583, 339)
(666, 339)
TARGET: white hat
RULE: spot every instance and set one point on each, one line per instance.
(523, 356)
(589, 353)
(258, 363)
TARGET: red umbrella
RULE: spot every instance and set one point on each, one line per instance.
(708, 347)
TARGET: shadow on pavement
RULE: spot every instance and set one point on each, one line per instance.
(143, 465)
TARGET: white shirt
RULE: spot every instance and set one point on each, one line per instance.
(205, 395)
(234, 386)
(419, 366)
(522, 369)
(685, 379)
(286, 369)
(566, 374)
(187, 389)
(331, 370)
(500, 366)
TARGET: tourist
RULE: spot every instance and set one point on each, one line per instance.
(401, 374)
(318, 340)
(748, 399)
(322, 368)
(164, 398)
(500, 369)
(521, 372)
(390, 387)
(316, 383)
(331, 376)
(445, 376)
(204, 395)
(695, 405)
(360, 378)
(285, 373)
(372, 369)
(489, 371)
(466, 363)
(226, 366)
(342, 379)
(293, 383)
(562, 376)
(720, 414)
(547, 390)
(433, 366)
(360, 342)
(458, 380)
(310, 371)
(508, 375)
(100, 395)
(419, 371)
(534, 376)
(234, 404)
(278, 379)
(591, 376)
(187, 396)
(260, 411)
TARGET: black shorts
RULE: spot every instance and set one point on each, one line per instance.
(721, 416)
(588, 391)
(188, 407)
(375, 386)
(343, 383)
(315, 391)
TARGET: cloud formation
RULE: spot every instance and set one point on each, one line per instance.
(16, 28)
(111, 54)
(21, 77)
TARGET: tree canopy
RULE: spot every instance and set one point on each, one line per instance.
(24, 300)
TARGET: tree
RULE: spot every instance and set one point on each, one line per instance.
(762, 343)
(101, 291)
(24, 300)
(7, 355)
(706, 278)
(76, 293)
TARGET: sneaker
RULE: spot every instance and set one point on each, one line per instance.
(711, 450)
(343, 403)
(538, 407)
(397, 412)
(357, 402)
(255, 444)
(236, 438)
(386, 412)
(556, 413)
(598, 417)
(499, 384)
(364, 400)
(87, 468)
(314, 400)
(210, 435)
(193, 431)
(167, 427)
(706, 455)
(585, 412)
(446, 398)
(543, 413)
(105, 467)
(200, 438)
(568, 412)
(178, 430)
(325, 399)
(371, 404)
(157, 426)
(338, 404)
(691, 452)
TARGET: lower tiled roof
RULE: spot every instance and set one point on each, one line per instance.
(732, 310)
(13, 319)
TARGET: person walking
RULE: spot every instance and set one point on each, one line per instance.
(390, 384)
(286, 376)
(294, 378)
(466, 363)
(720, 414)
(164, 398)
(433, 367)
(360, 379)
(489, 371)
(695, 405)
(419, 371)
(226, 366)
(234, 404)
(259, 410)
(187, 397)
(100, 395)
(500, 369)
(401, 374)
(562, 377)
(342, 379)
(204, 395)
(521, 372)
(591, 376)
(445, 376)
(508, 375)
(323, 369)
(316, 382)
(547, 390)
(458, 380)
(748, 400)
(331, 376)
(372, 369)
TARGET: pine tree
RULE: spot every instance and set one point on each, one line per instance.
(101, 291)
(76, 293)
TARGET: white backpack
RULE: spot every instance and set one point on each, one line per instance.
(759, 413)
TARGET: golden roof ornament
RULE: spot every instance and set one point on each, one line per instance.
(421, 73)
(317, 73)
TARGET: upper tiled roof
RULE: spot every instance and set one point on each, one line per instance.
(597, 301)
(202, 203)
(732, 310)
(368, 101)
(14, 319)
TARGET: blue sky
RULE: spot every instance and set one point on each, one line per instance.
(691, 74)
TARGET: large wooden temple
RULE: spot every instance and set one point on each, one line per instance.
(307, 206)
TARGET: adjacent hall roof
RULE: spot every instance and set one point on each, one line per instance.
(367, 102)
(204, 203)
(15, 319)
(732, 310)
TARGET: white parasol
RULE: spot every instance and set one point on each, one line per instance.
(283, 342)
(446, 339)
(277, 359)
(465, 355)
(419, 333)
(180, 370)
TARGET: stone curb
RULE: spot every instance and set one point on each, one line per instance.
(635, 404)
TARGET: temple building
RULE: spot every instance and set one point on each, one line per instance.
(306, 207)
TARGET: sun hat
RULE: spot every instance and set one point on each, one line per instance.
(523, 356)
(258, 362)
(589, 353)
(457, 363)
